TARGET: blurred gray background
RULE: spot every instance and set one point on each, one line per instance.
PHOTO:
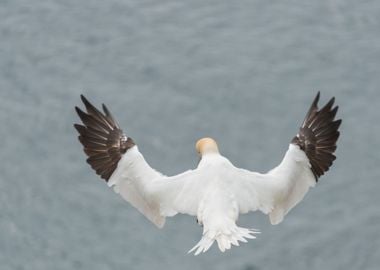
(244, 72)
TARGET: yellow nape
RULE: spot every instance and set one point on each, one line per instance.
(206, 145)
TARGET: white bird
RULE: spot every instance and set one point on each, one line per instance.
(216, 192)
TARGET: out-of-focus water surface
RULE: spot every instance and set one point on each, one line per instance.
(173, 71)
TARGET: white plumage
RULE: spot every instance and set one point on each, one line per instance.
(216, 192)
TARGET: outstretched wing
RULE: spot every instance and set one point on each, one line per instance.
(310, 155)
(117, 160)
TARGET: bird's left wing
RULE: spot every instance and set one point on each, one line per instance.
(116, 158)
(168, 194)
(310, 155)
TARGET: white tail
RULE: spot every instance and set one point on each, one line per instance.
(225, 239)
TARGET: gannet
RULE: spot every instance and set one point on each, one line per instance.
(215, 192)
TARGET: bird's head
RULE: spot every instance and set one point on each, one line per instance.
(206, 145)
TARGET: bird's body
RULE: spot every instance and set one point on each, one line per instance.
(215, 192)
(218, 208)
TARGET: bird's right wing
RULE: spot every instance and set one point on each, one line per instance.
(310, 155)
(116, 158)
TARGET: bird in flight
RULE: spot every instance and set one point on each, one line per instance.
(216, 192)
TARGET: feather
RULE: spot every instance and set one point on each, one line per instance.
(318, 135)
(103, 141)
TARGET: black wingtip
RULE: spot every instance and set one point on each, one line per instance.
(103, 141)
(84, 99)
(89, 107)
(338, 123)
(108, 113)
(78, 127)
(79, 111)
(330, 103)
(318, 135)
(82, 130)
(105, 109)
(82, 115)
(318, 95)
(316, 99)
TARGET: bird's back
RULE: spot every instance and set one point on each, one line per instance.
(218, 209)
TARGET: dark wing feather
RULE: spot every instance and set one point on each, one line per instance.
(103, 141)
(318, 136)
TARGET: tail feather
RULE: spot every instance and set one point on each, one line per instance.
(202, 246)
(225, 240)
